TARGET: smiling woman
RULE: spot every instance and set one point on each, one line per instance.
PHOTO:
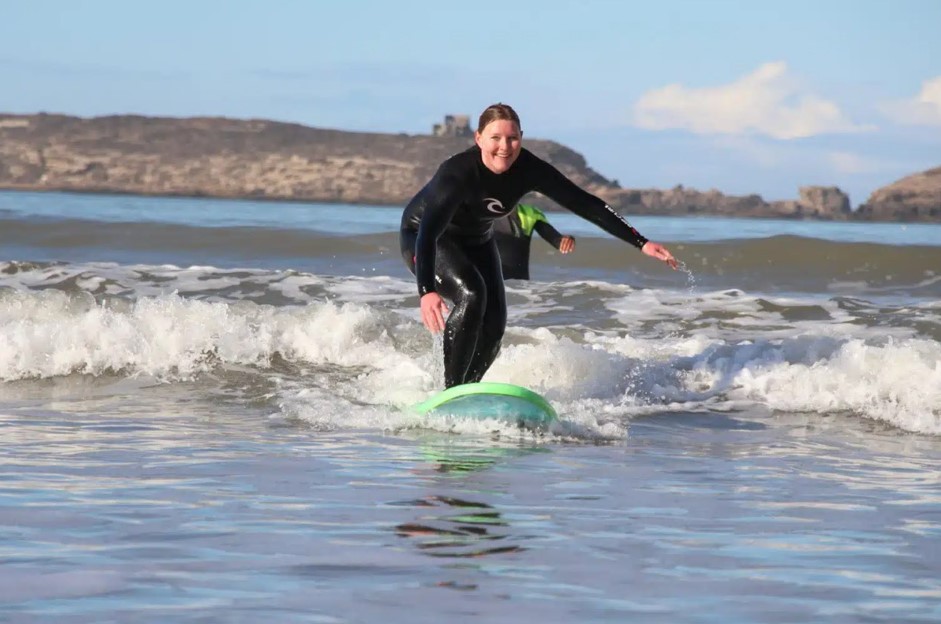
(447, 237)
(500, 141)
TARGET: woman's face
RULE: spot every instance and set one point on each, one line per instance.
(500, 144)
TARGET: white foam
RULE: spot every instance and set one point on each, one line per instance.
(898, 382)
(53, 333)
(362, 355)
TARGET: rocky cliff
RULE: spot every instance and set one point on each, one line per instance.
(234, 158)
(262, 159)
(913, 198)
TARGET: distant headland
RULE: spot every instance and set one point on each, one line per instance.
(260, 159)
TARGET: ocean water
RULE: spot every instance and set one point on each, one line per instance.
(202, 410)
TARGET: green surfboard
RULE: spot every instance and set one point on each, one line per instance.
(486, 399)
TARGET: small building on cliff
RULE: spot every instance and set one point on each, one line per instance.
(453, 126)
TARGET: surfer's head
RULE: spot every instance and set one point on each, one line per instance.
(499, 137)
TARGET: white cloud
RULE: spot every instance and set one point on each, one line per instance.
(768, 101)
(922, 110)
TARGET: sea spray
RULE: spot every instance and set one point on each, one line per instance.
(437, 360)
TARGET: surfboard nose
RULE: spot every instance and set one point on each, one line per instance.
(489, 399)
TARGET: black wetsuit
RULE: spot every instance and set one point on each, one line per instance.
(447, 242)
(514, 239)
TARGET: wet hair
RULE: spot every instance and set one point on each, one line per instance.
(495, 112)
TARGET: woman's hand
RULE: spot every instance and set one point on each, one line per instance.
(433, 311)
(658, 251)
(567, 245)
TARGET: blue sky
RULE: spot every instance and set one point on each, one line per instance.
(739, 96)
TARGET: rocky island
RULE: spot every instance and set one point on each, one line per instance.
(260, 159)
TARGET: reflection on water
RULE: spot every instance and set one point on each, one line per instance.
(464, 535)
(458, 527)
(456, 455)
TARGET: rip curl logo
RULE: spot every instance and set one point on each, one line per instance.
(495, 206)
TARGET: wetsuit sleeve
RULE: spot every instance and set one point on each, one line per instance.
(442, 197)
(548, 233)
(551, 182)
